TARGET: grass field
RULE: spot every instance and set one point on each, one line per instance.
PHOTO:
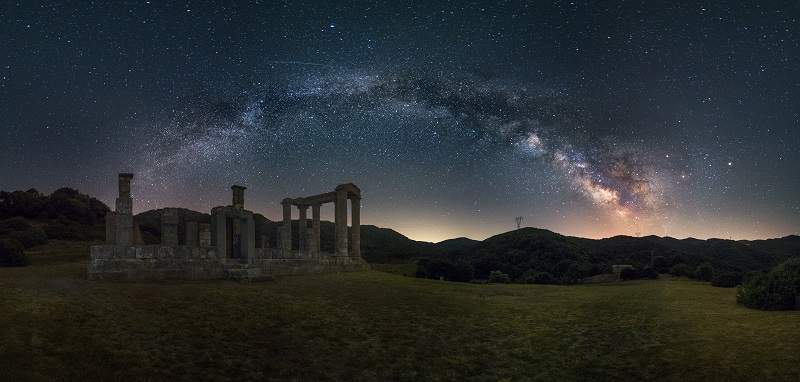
(374, 325)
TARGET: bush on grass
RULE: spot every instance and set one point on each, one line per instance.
(704, 272)
(681, 269)
(499, 277)
(11, 253)
(777, 289)
(726, 279)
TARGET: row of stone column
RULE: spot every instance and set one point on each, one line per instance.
(310, 238)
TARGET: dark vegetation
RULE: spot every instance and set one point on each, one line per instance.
(776, 289)
(30, 218)
(537, 256)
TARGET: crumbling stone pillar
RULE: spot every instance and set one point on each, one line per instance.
(355, 221)
(204, 235)
(311, 251)
(341, 221)
(123, 218)
(191, 234)
(169, 227)
(301, 229)
(238, 196)
(286, 231)
(315, 224)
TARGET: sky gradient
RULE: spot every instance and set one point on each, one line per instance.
(588, 118)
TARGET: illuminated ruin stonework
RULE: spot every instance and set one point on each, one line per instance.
(227, 248)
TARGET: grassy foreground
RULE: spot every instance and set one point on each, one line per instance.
(56, 325)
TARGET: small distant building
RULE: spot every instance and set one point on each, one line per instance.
(227, 247)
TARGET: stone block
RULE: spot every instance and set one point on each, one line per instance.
(191, 234)
(124, 206)
(124, 252)
(165, 253)
(102, 252)
(182, 252)
(169, 216)
(145, 252)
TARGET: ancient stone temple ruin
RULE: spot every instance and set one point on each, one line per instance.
(227, 247)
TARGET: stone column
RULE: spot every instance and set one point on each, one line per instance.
(123, 219)
(311, 242)
(169, 227)
(315, 224)
(341, 222)
(219, 237)
(238, 197)
(355, 220)
(204, 235)
(286, 231)
(302, 225)
(125, 184)
(191, 234)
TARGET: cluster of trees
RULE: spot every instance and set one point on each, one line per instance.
(564, 272)
(30, 218)
(777, 289)
(545, 267)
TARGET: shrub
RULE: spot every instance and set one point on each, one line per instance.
(628, 274)
(541, 278)
(775, 290)
(681, 269)
(660, 264)
(14, 224)
(648, 273)
(11, 254)
(441, 268)
(726, 279)
(30, 238)
(63, 229)
(499, 277)
(704, 272)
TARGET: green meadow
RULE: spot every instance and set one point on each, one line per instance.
(56, 325)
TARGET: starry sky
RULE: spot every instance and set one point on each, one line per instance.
(587, 118)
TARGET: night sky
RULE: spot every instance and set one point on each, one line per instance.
(588, 118)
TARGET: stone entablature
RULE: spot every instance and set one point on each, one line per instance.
(227, 247)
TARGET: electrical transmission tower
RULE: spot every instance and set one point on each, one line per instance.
(519, 221)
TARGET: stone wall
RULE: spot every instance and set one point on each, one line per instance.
(161, 262)
(224, 249)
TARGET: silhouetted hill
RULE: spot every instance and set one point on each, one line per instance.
(68, 214)
(454, 244)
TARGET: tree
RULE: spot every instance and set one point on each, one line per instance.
(704, 272)
(726, 279)
(777, 289)
(499, 277)
(11, 254)
(681, 269)
(660, 264)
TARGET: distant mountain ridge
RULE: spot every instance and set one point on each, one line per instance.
(78, 214)
(387, 245)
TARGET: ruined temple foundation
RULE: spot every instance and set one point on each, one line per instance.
(227, 247)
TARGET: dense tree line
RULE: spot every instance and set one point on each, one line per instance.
(30, 218)
(776, 289)
(542, 257)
